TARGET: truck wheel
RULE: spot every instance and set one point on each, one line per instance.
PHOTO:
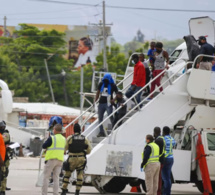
(115, 185)
(143, 185)
(199, 185)
(213, 186)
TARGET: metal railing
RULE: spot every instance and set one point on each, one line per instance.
(201, 55)
(133, 97)
(92, 106)
(110, 137)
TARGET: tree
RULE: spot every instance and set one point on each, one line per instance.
(28, 52)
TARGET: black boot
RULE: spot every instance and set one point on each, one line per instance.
(8, 188)
(64, 192)
(77, 192)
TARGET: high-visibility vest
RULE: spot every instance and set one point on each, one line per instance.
(170, 148)
(164, 145)
(154, 156)
(56, 150)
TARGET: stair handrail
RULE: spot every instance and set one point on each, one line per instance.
(200, 55)
(108, 117)
(136, 106)
(78, 117)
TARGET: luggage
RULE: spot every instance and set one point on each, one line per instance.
(193, 49)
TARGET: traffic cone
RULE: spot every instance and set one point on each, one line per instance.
(135, 189)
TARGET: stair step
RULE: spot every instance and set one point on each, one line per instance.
(96, 140)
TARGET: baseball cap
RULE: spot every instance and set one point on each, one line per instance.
(202, 38)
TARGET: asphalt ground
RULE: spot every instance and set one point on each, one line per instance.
(24, 172)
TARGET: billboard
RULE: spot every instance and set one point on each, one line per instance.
(84, 42)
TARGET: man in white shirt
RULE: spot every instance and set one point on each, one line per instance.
(86, 55)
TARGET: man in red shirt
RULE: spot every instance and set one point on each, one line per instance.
(139, 78)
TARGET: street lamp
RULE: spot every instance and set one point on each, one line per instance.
(47, 71)
(49, 80)
(63, 73)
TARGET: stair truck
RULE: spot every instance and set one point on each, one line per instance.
(187, 105)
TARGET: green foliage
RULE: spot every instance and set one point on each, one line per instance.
(117, 61)
(22, 63)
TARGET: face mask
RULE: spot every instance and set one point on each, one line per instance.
(106, 81)
(200, 43)
(132, 62)
(119, 99)
(158, 51)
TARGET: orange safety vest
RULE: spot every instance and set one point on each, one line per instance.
(2, 148)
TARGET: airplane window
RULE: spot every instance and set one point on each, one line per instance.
(211, 141)
(174, 56)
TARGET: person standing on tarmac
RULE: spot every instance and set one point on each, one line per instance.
(54, 158)
(159, 140)
(2, 158)
(206, 49)
(168, 162)
(151, 165)
(78, 146)
(6, 137)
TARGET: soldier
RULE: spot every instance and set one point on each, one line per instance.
(78, 147)
(5, 168)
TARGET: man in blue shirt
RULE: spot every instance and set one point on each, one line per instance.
(151, 54)
(206, 49)
(168, 162)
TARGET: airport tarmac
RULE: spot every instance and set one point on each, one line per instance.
(24, 172)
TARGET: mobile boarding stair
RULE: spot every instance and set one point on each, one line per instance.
(115, 160)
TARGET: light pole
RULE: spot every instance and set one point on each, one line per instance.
(81, 92)
(63, 73)
(49, 80)
(47, 71)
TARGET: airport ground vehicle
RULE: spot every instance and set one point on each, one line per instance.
(186, 105)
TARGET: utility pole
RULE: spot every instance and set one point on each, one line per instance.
(105, 66)
(49, 80)
(63, 73)
(5, 26)
(81, 93)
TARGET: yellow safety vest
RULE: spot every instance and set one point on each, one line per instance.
(154, 156)
(170, 148)
(56, 150)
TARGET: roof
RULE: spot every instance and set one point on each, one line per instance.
(46, 108)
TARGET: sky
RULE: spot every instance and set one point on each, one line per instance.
(126, 22)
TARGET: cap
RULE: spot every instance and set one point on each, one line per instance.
(202, 38)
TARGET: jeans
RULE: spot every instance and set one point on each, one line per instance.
(166, 175)
(101, 110)
(157, 81)
(131, 92)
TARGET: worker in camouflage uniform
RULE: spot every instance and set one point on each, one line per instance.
(5, 168)
(78, 146)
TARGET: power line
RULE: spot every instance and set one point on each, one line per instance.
(54, 18)
(45, 12)
(124, 7)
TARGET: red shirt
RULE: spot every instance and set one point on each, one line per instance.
(2, 148)
(139, 78)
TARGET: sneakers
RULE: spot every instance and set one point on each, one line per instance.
(101, 135)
